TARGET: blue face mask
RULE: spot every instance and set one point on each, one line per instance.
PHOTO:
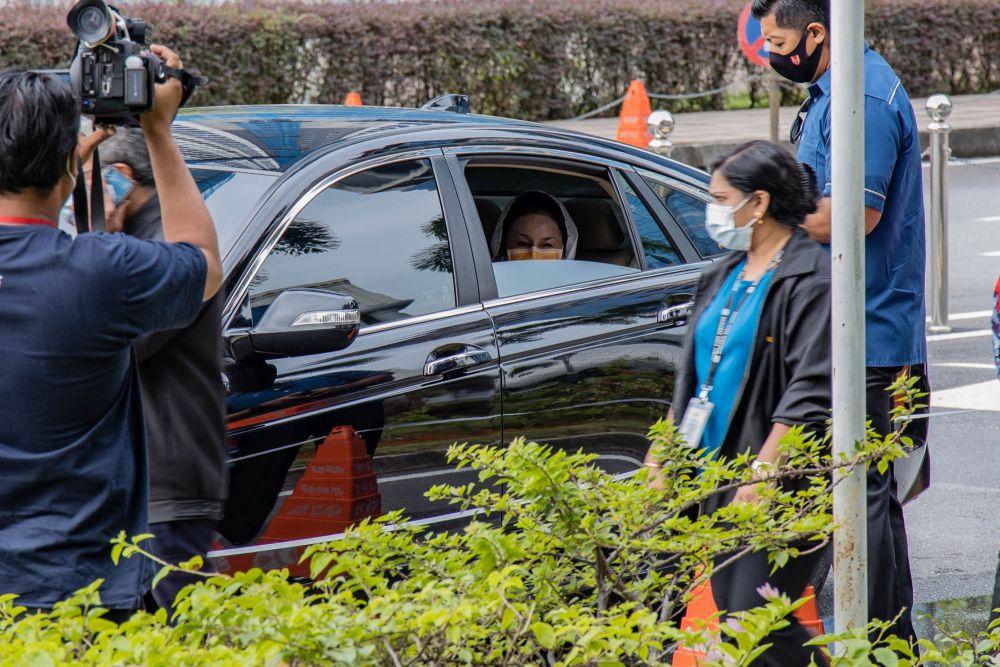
(720, 222)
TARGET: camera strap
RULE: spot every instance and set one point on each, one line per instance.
(89, 219)
(188, 81)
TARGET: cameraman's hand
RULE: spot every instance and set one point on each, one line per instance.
(168, 95)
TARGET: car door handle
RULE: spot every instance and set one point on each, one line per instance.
(470, 356)
(677, 315)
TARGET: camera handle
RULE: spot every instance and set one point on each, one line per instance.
(95, 221)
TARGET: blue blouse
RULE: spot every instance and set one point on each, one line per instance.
(735, 354)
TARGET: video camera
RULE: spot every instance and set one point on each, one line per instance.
(113, 73)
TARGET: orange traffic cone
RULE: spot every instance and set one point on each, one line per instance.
(353, 99)
(632, 128)
(703, 614)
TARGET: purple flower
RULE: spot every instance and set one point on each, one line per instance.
(768, 592)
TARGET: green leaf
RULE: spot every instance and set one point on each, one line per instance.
(545, 635)
(886, 657)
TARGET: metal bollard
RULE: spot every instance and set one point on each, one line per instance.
(939, 108)
(661, 124)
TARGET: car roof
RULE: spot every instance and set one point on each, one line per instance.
(275, 138)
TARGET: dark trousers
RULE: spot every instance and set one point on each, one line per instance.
(890, 584)
(176, 542)
(735, 589)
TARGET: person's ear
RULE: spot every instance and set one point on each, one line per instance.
(762, 203)
(818, 32)
(125, 170)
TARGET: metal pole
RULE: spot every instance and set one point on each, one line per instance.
(939, 108)
(773, 102)
(848, 289)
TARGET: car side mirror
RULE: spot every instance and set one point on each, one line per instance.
(304, 321)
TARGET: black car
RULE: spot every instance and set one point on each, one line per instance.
(333, 214)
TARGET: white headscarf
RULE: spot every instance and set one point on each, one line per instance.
(572, 235)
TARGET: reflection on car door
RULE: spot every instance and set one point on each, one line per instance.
(591, 364)
(320, 441)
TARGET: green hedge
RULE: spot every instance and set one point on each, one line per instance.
(519, 58)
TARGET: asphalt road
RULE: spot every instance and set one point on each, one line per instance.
(954, 527)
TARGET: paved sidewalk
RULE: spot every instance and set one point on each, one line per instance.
(700, 137)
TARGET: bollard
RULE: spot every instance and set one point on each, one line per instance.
(939, 108)
(661, 124)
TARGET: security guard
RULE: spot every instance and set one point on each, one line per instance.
(798, 38)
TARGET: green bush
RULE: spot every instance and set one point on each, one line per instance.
(567, 566)
(518, 58)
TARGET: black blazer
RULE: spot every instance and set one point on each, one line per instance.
(788, 375)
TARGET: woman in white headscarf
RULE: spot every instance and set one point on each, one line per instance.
(535, 226)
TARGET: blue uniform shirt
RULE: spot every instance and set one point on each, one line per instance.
(728, 378)
(72, 443)
(895, 250)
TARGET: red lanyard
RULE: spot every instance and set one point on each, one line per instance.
(25, 221)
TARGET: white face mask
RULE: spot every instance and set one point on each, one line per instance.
(720, 222)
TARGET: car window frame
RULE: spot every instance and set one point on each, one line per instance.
(456, 157)
(638, 180)
(466, 287)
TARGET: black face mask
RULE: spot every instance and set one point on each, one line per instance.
(797, 66)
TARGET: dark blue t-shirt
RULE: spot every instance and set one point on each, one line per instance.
(72, 444)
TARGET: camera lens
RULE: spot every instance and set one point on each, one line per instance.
(92, 21)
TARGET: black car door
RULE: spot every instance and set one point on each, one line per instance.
(588, 346)
(319, 441)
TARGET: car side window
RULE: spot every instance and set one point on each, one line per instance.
(596, 243)
(688, 211)
(378, 236)
(656, 246)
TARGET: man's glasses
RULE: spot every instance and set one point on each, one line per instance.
(800, 120)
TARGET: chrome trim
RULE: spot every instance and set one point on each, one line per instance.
(421, 319)
(535, 152)
(305, 542)
(240, 291)
(673, 182)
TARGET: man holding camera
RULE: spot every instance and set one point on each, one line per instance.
(72, 447)
(182, 394)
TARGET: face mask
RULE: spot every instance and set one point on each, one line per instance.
(517, 254)
(721, 226)
(797, 66)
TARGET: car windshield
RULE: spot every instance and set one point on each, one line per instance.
(231, 197)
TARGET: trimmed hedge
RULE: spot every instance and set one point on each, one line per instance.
(518, 58)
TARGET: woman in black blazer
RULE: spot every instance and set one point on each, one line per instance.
(756, 358)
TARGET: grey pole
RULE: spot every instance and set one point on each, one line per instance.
(848, 254)
(939, 108)
(773, 102)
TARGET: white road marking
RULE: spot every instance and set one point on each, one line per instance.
(989, 218)
(995, 253)
(974, 315)
(983, 396)
(962, 364)
(958, 336)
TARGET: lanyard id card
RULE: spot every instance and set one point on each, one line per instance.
(695, 420)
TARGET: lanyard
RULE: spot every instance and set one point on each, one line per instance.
(728, 317)
(25, 221)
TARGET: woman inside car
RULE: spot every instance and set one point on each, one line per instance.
(756, 359)
(534, 226)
